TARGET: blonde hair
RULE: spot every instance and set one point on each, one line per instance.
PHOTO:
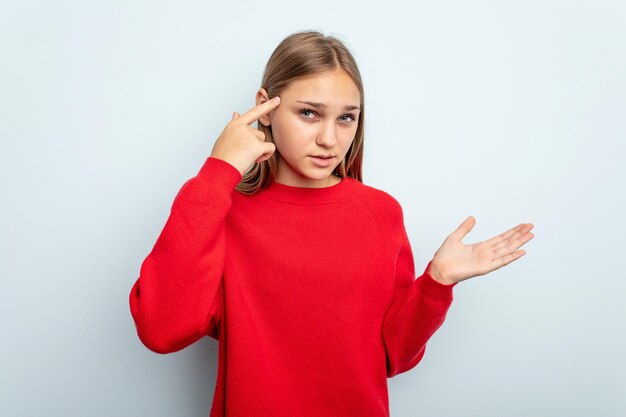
(301, 55)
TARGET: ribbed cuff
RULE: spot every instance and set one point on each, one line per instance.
(219, 172)
(435, 288)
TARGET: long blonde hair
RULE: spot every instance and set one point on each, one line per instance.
(300, 55)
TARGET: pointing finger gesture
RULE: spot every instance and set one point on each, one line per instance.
(241, 144)
(255, 112)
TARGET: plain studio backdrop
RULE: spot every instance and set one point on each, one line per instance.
(508, 111)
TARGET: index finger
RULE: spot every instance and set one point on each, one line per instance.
(255, 112)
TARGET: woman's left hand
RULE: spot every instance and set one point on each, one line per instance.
(455, 262)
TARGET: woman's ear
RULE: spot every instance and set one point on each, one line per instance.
(262, 97)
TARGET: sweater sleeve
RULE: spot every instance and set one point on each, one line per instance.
(418, 308)
(175, 300)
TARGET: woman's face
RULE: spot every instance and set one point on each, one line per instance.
(317, 115)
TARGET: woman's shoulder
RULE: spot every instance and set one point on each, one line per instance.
(378, 200)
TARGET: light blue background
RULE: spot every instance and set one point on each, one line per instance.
(508, 111)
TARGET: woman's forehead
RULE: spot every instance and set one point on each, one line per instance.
(326, 90)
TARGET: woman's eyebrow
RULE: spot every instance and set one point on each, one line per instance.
(323, 106)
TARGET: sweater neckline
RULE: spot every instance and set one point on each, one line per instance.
(309, 195)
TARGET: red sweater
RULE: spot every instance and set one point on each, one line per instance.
(311, 293)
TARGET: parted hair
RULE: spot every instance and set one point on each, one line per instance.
(301, 55)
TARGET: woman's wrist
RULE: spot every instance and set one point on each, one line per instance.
(435, 273)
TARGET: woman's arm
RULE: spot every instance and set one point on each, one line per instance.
(418, 308)
(175, 301)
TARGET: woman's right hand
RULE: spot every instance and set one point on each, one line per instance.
(240, 144)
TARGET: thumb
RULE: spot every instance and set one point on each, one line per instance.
(235, 115)
(464, 228)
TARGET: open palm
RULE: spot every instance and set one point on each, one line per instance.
(455, 262)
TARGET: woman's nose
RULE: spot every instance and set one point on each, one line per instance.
(327, 137)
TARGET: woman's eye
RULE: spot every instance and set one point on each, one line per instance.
(305, 111)
(350, 117)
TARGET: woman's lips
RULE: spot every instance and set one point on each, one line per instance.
(322, 162)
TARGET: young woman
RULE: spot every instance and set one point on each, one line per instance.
(303, 273)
